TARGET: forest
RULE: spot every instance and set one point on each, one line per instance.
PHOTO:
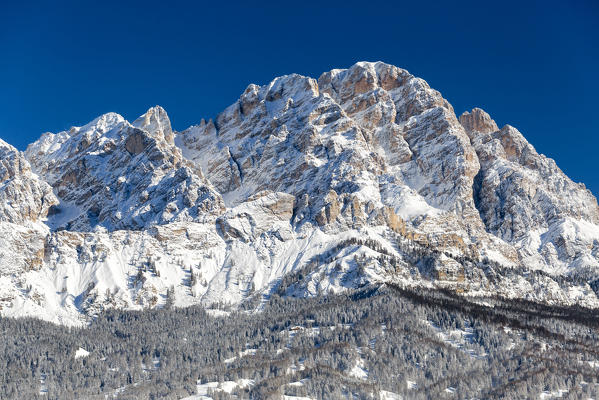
(363, 343)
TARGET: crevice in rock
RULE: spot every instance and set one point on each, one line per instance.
(238, 167)
(477, 185)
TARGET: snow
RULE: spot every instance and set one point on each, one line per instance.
(248, 352)
(43, 386)
(593, 364)
(203, 389)
(553, 395)
(386, 395)
(298, 383)
(358, 370)
(411, 384)
(64, 213)
(81, 353)
(407, 203)
(217, 313)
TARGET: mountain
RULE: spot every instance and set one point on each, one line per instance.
(122, 176)
(300, 187)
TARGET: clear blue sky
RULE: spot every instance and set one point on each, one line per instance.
(533, 65)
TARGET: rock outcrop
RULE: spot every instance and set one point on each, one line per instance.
(477, 121)
(23, 197)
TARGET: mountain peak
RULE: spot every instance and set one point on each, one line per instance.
(157, 123)
(6, 146)
(478, 121)
(101, 124)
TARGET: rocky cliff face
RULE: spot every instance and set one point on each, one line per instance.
(118, 175)
(526, 200)
(23, 197)
(348, 133)
(364, 175)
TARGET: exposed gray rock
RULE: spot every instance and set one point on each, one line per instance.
(23, 197)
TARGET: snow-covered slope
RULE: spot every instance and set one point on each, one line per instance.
(300, 187)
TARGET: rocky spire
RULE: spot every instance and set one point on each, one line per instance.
(478, 121)
(156, 122)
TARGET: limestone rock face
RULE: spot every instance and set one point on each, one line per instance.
(526, 200)
(364, 133)
(116, 175)
(477, 121)
(23, 197)
(399, 113)
(364, 175)
(263, 212)
(156, 122)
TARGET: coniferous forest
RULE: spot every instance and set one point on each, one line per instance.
(371, 342)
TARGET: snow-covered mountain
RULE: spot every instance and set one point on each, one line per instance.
(364, 175)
